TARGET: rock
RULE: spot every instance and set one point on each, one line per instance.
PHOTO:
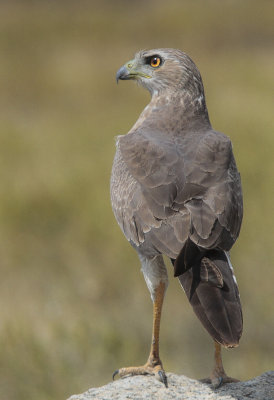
(181, 388)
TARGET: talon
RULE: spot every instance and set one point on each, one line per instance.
(114, 374)
(217, 382)
(163, 378)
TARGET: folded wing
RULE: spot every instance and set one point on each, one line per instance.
(184, 187)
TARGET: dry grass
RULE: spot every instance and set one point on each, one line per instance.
(74, 304)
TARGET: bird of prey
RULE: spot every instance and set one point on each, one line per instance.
(176, 191)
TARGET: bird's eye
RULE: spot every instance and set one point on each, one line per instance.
(155, 61)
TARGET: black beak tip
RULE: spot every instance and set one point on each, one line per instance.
(117, 77)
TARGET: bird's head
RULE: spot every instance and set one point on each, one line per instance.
(159, 70)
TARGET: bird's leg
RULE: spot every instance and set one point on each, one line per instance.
(154, 357)
(155, 275)
(153, 366)
(218, 375)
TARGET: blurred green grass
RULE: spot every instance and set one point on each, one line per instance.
(74, 305)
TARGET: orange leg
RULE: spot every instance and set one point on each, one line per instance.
(218, 375)
(153, 366)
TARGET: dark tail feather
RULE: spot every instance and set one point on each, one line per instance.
(213, 293)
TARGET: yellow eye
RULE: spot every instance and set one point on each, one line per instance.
(155, 62)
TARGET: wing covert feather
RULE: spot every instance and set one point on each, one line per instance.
(185, 186)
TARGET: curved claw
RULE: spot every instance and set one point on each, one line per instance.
(163, 378)
(114, 374)
(217, 382)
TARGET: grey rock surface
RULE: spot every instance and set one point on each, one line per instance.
(181, 388)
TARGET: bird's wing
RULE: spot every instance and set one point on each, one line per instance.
(217, 214)
(186, 184)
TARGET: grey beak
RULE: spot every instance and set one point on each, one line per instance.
(122, 74)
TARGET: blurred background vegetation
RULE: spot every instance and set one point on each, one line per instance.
(74, 305)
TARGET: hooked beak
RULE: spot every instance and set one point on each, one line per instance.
(123, 74)
(129, 71)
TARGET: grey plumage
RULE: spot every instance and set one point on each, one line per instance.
(175, 189)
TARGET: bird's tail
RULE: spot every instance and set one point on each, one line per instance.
(208, 280)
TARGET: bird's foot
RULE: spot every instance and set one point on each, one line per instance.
(218, 380)
(150, 368)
